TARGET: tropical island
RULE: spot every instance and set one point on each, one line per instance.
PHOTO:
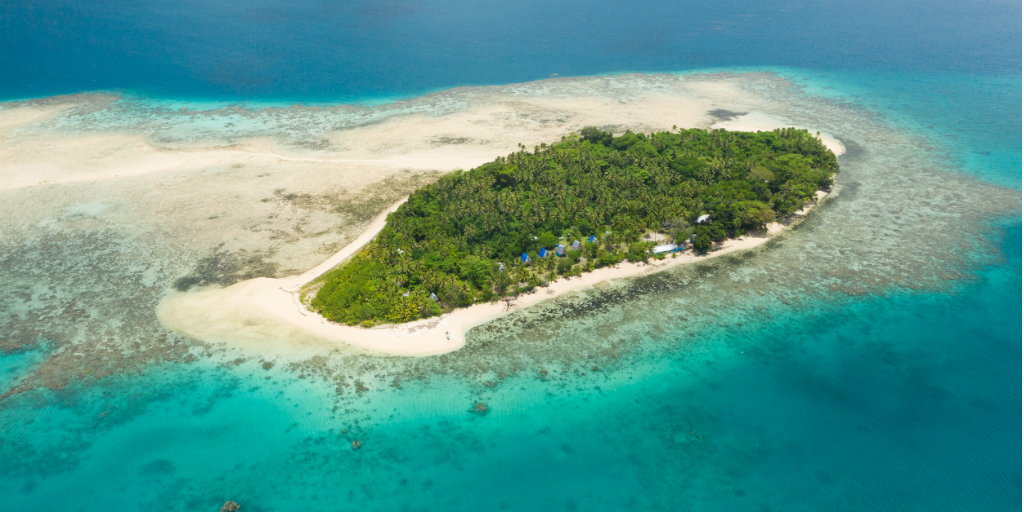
(591, 200)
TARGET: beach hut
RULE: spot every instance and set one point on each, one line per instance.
(560, 250)
(543, 253)
(592, 240)
(667, 248)
(704, 219)
(501, 267)
(524, 258)
(433, 297)
(576, 245)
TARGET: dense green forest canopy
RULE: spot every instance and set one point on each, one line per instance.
(461, 240)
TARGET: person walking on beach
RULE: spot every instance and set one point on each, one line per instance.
(447, 336)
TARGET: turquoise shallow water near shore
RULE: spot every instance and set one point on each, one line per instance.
(901, 401)
(973, 117)
(756, 383)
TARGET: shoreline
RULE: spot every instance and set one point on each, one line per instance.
(264, 315)
(264, 308)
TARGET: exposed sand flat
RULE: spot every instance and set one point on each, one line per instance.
(248, 311)
(463, 139)
(436, 132)
(28, 114)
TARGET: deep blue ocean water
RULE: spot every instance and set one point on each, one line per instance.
(901, 401)
(326, 50)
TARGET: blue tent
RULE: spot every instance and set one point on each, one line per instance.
(543, 253)
(524, 258)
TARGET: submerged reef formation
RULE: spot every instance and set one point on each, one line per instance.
(498, 229)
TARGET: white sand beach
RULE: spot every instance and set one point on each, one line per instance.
(257, 309)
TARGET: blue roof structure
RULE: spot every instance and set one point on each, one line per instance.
(543, 253)
(668, 248)
(524, 258)
(593, 239)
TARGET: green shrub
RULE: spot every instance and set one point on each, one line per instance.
(702, 243)
(609, 259)
(564, 265)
